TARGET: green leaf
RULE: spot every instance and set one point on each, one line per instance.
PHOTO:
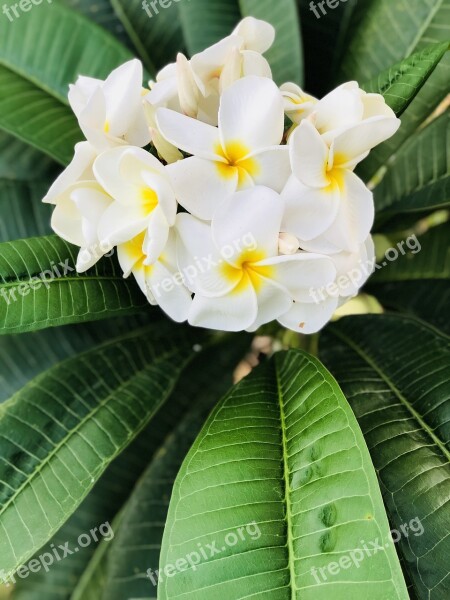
(286, 55)
(395, 371)
(37, 118)
(25, 356)
(21, 162)
(419, 283)
(102, 13)
(157, 36)
(401, 83)
(418, 179)
(40, 288)
(22, 212)
(280, 483)
(387, 33)
(204, 22)
(37, 48)
(59, 433)
(140, 524)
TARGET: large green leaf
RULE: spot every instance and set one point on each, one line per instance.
(388, 32)
(156, 34)
(22, 212)
(286, 55)
(139, 527)
(419, 283)
(21, 162)
(204, 22)
(36, 48)
(280, 484)
(40, 288)
(401, 83)
(418, 179)
(36, 117)
(395, 372)
(59, 433)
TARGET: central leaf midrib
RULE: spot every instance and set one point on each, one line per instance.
(395, 390)
(286, 472)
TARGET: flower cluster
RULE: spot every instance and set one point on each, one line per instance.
(226, 217)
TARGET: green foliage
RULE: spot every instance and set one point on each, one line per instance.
(98, 414)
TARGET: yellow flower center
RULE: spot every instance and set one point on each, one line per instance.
(236, 153)
(248, 272)
(149, 199)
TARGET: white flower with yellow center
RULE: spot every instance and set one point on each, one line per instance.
(328, 207)
(242, 281)
(143, 199)
(111, 112)
(161, 282)
(242, 152)
(347, 107)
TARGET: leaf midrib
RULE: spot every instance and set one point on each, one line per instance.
(395, 390)
(289, 519)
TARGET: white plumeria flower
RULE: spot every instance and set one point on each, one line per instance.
(327, 205)
(80, 169)
(143, 199)
(111, 112)
(76, 217)
(348, 107)
(297, 104)
(242, 152)
(161, 282)
(246, 283)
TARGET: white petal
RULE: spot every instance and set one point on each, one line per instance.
(188, 91)
(120, 224)
(169, 292)
(207, 65)
(157, 236)
(199, 261)
(273, 168)
(258, 35)
(375, 106)
(80, 169)
(309, 211)
(66, 222)
(252, 113)
(355, 216)
(190, 135)
(301, 272)
(352, 145)
(232, 69)
(255, 64)
(273, 301)
(309, 318)
(309, 156)
(343, 107)
(248, 221)
(234, 312)
(200, 185)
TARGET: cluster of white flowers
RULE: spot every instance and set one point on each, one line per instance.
(226, 217)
